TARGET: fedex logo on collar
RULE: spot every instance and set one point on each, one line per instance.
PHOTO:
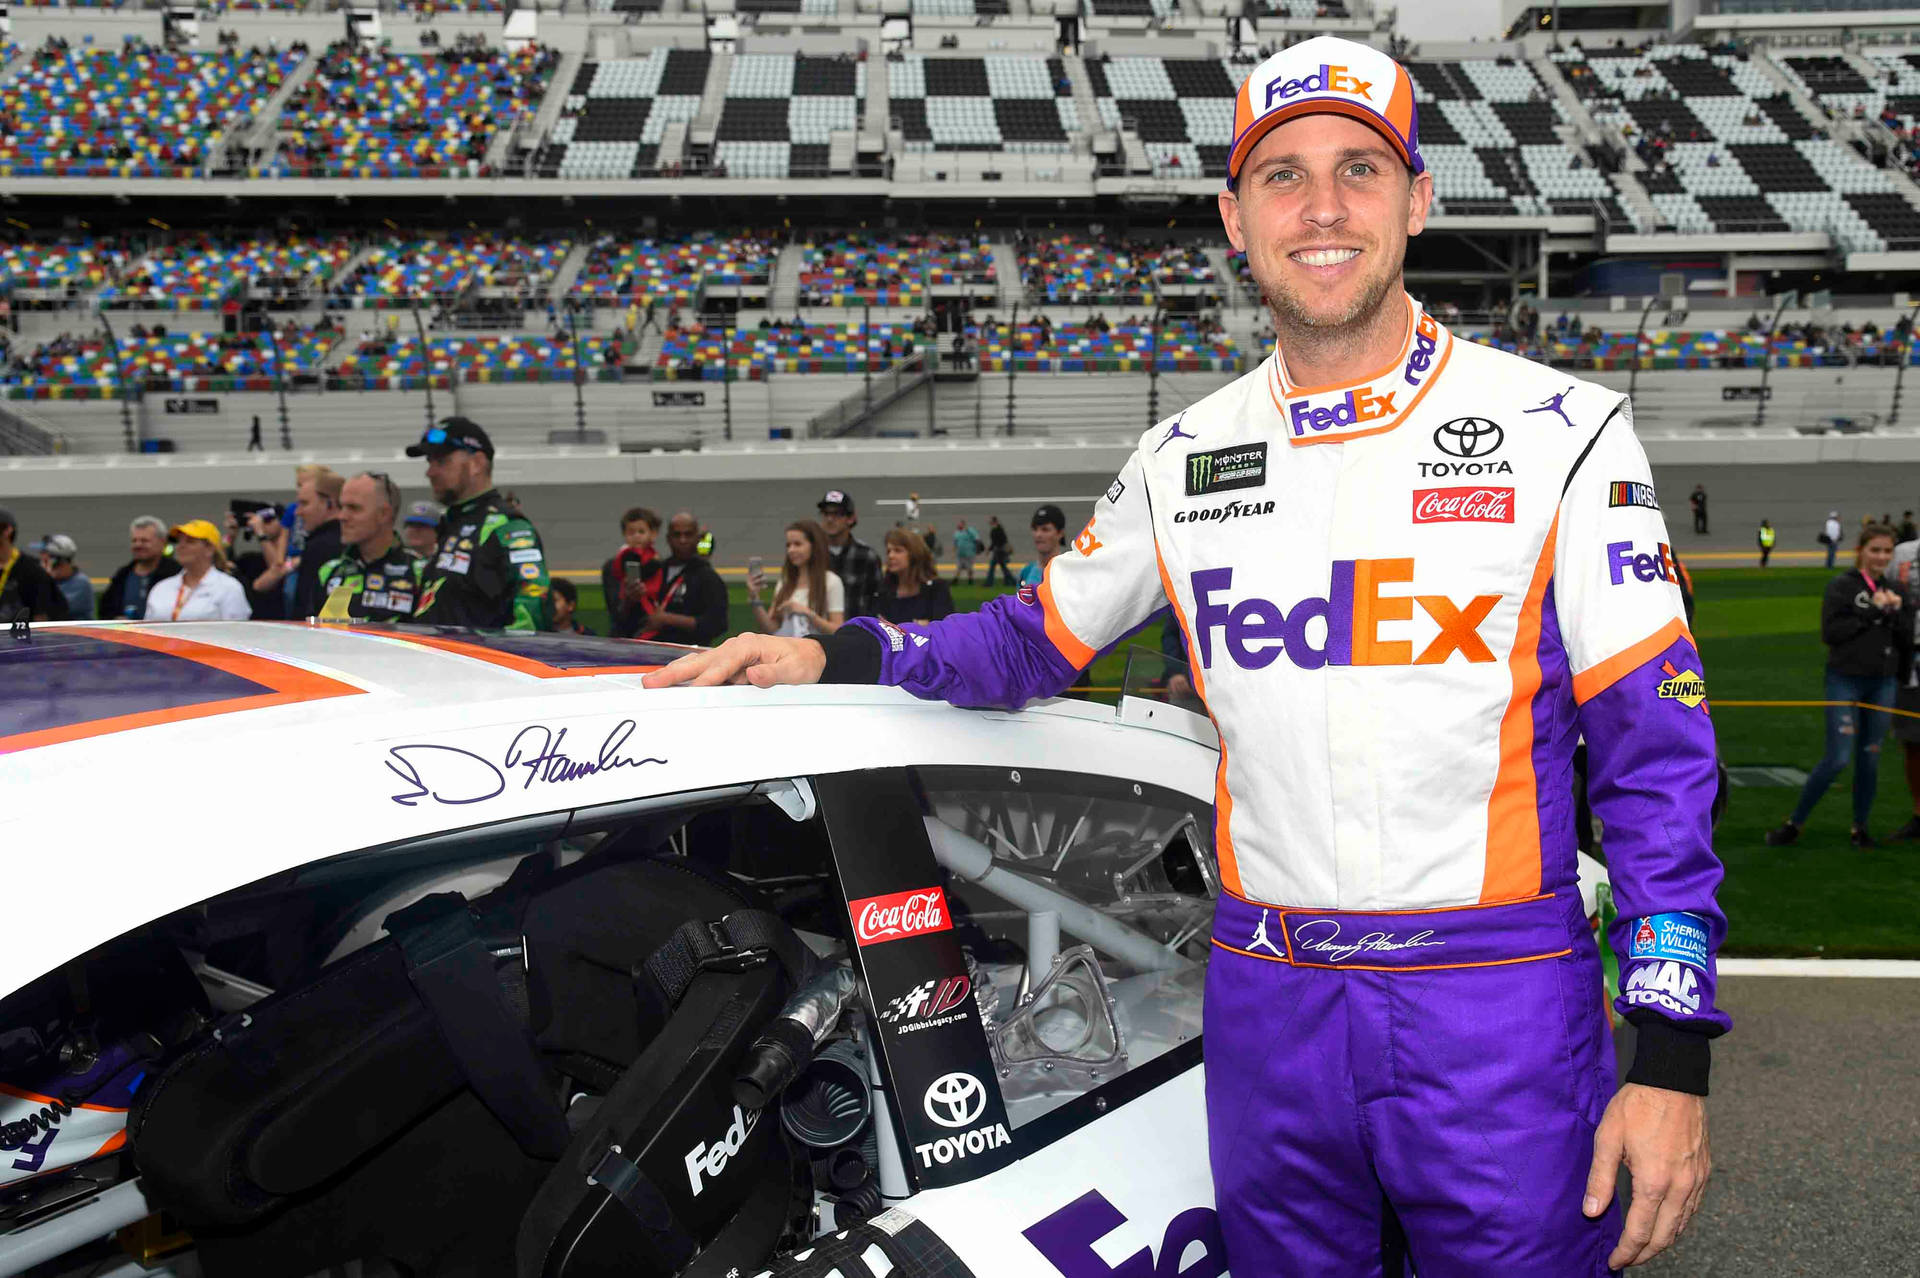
(1426, 336)
(1310, 414)
(1622, 559)
(1256, 632)
(1328, 79)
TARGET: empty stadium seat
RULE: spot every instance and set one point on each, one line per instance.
(1020, 103)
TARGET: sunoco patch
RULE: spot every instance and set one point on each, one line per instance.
(1222, 470)
(1680, 937)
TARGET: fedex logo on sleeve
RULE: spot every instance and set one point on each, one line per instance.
(1328, 79)
(1256, 632)
(1622, 559)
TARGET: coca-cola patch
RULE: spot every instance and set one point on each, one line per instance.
(899, 915)
(1458, 505)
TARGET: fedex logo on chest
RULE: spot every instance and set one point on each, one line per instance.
(1254, 632)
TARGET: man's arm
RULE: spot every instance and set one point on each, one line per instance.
(523, 565)
(1640, 690)
(1015, 649)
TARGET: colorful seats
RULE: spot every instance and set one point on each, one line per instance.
(401, 362)
(202, 272)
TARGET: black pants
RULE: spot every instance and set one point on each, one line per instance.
(999, 562)
(1700, 521)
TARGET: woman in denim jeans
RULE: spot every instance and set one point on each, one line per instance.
(1860, 622)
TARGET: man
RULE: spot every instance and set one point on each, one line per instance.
(489, 570)
(25, 588)
(853, 560)
(999, 551)
(126, 595)
(421, 528)
(317, 501)
(1766, 538)
(1830, 535)
(687, 601)
(1049, 535)
(58, 554)
(375, 578)
(1698, 500)
(1909, 531)
(1398, 691)
(966, 548)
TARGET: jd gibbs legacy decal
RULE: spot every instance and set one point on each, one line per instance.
(1222, 470)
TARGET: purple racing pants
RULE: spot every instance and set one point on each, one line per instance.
(1407, 1092)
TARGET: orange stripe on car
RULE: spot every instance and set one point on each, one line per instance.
(504, 660)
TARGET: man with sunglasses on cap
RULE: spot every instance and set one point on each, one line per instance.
(489, 571)
(1406, 597)
(376, 578)
(852, 560)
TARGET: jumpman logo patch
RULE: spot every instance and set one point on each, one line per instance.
(1552, 405)
(1174, 432)
(1261, 938)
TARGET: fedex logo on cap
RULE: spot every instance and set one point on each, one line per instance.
(1328, 79)
(1256, 632)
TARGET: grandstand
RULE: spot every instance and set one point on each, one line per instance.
(685, 227)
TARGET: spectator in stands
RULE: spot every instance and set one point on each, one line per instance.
(631, 575)
(1766, 538)
(58, 554)
(203, 589)
(1049, 538)
(126, 595)
(317, 499)
(852, 560)
(419, 531)
(811, 599)
(1867, 625)
(966, 548)
(1830, 535)
(1698, 500)
(999, 551)
(690, 606)
(913, 590)
(566, 602)
(25, 588)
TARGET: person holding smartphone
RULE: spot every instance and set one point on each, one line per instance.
(631, 578)
(811, 600)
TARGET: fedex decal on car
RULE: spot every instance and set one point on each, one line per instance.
(899, 915)
(1257, 632)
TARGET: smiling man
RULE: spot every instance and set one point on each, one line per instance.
(1405, 601)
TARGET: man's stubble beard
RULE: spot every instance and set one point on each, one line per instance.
(1294, 324)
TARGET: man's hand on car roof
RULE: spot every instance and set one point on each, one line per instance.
(761, 660)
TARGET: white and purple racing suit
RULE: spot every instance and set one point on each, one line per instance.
(1405, 600)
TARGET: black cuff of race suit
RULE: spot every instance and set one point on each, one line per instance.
(1667, 1056)
(853, 655)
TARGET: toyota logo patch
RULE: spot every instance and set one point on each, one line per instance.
(1466, 437)
(955, 1100)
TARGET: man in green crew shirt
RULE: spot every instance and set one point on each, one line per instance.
(380, 576)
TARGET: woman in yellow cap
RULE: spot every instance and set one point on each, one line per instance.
(203, 590)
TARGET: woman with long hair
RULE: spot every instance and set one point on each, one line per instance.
(203, 589)
(811, 600)
(913, 590)
(1866, 623)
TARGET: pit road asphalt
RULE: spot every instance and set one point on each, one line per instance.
(1815, 1129)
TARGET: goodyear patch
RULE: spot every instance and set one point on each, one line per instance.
(1221, 470)
(1680, 937)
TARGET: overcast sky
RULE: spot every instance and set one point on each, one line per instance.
(1446, 19)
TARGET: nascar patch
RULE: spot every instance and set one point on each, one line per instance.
(1222, 470)
(1631, 492)
(1681, 938)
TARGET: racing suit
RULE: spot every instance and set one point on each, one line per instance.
(489, 572)
(385, 589)
(1405, 599)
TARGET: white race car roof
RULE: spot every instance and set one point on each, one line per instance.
(144, 768)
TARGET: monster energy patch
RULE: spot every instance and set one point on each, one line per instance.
(1225, 469)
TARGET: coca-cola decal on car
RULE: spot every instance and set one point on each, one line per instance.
(1463, 505)
(899, 915)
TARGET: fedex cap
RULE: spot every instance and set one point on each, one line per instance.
(1326, 75)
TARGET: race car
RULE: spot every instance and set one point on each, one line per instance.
(467, 953)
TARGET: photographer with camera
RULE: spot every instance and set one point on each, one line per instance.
(257, 540)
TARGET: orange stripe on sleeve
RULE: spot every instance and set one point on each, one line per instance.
(1222, 797)
(1594, 680)
(1064, 640)
(1513, 809)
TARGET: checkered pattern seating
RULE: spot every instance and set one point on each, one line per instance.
(621, 272)
(374, 113)
(960, 8)
(406, 272)
(130, 111)
(1181, 108)
(201, 272)
(782, 109)
(1002, 102)
(617, 111)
